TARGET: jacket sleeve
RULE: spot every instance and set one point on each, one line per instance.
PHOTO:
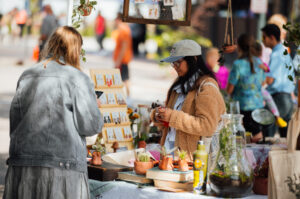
(209, 106)
(87, 117)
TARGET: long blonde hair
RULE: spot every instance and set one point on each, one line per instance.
(65, 42)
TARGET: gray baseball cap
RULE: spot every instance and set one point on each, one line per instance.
(182, 49)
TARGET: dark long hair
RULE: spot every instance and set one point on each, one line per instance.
(245, 43)
(194, 66)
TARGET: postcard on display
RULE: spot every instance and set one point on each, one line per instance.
(108, 80)
(139, 1)
(116, 117)
(110, 134)
(111, 98)
(168, 2)
(177, 12)
(120, 98)
(153, 12)
(100, 80)
(103, 99)
(127, 132)
(106, 117)
(123, 116)
(117, 79)
(119, 134)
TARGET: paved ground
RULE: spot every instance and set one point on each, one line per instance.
(149, 82)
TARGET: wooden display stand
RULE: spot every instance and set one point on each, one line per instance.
(113, 108)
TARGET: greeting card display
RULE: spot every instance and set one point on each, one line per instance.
(168, 2)
(127, 133)
(111, 98)
(120, 98)
(117, 79)
(100, 80)
(116, 117)
(113, 108)
(107, 118)
(103, 99)
(110, 134)
(123, 116)
(108, 80)
(119, 134)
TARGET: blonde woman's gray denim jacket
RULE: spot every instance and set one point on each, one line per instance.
(52, 112)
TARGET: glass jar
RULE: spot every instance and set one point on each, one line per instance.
(230, 174)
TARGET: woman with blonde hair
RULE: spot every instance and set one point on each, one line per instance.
(52, 112)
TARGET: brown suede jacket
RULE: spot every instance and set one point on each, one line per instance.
(199, 116)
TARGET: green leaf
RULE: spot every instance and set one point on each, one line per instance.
(285, 52)
(291, 78)
(290, 67)
(285, 43)
(286, 66)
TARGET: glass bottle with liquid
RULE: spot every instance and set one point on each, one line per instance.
(200, 168)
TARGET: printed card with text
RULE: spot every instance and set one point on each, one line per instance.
(117, 79)
(123, 116)
(108, 79)
(103, 99)
(111, 98)
(127, 132)
(110, 134)
(116, 117)
(177, 13)
(107, 118)
(100, 80)
(120, 98)
(168, 2)
(119, 134)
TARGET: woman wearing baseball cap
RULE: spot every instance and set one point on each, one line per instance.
(194, 103)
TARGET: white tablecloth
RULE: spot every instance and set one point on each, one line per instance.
(122, 190)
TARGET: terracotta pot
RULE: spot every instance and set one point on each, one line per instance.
(142, 167)
(260, 186)
(86, 9)
(142, 144)
(183, 165)
(229, 48)
(166, 163)
(96, 158)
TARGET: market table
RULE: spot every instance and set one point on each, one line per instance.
(121, 190)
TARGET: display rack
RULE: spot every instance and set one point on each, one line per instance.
(113, 108)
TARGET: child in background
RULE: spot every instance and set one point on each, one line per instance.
(221, 72)
(257, 51)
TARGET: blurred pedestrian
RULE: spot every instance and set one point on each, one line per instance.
(194, 104)
(49, 24)
(54, 109)
(21, 18)
(244, 84)
(138, 33)
(100, 29)
(279, 84)
(123, 50)
(257, 51)
(279, 20)
(221, 72)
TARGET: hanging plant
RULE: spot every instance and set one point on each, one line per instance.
(229, 45)
(83, 9)
(79, 11)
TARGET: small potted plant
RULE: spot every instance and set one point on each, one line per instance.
(260, 185)
(166, 160)
(96, 155)
(182, 163)
(142, 163)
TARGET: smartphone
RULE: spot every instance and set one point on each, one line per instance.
(98, 93)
